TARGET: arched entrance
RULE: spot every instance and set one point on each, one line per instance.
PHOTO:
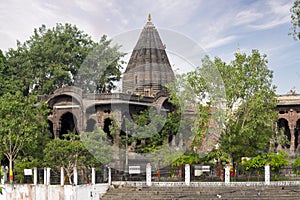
(284, 131)
(68, 123)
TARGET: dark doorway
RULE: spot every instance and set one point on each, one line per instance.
(284, 130)
(107, 124)
(68, 124)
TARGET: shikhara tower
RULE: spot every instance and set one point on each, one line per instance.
(148, 70)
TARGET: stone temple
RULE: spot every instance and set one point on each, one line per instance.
(143, 86)
(144, 80)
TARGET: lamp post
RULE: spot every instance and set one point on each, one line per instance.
(126, 149)
(126, 152)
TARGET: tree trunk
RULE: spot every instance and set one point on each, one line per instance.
(70, 177)
(11, 178)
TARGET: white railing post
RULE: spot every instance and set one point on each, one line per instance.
(267, 174)
(187, 174)
(45, 176)
(75, 180)
(62, 176)
(148, 174)
(48, 176)
(93, 176)
(109, 175)
(35, 176)
(227, 174)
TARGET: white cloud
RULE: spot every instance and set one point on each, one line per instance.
(220, 42)
(275, 13)
(247, 16)
(270, 24)
(88, 6)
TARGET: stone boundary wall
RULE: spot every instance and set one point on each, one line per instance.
(53, 192)
(94, 192)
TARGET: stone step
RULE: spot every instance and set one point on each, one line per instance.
(234, 193)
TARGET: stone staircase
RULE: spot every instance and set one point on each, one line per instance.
(206, 193)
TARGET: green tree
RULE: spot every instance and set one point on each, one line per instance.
(147, 127)
(184, 98)
(215, 156)
(98, 145)
(296, 165)
(250, 101)
(65, 153)
(72, 151)
(21, 123)
(32, 154)
(187, 158)
(52, 58)
(295, 20)
(4, 81)
(23, 162)
(101, 69)
(275, 160)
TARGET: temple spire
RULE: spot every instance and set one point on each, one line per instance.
(149, 17)
(238, 49)
(148, 70)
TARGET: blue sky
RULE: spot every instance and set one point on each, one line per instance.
(217, 26)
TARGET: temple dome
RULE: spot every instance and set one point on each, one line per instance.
(148, 69)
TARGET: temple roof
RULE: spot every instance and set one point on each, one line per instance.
(148, 70)
(149, 38)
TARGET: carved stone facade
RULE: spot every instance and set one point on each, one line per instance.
(144, 82)
(289, 120)
(70, 108)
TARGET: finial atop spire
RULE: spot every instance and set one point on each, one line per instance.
(149, 17)
(238, 49)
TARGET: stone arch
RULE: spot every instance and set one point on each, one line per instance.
(283, 125)
(68, 91)
(68, 123)
(90, 125)
(160, 103)
(70, 99)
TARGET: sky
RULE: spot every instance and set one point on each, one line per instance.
(219, 27)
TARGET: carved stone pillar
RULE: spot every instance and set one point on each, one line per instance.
(56, 129)
(292, 131)
(117, 114)
(292, 127)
